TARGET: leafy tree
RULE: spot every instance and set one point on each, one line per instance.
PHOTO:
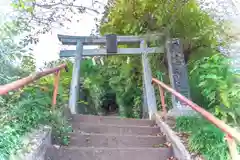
(179, 19)
(28, 107)
(43, 15)
(12, 50)
(217, 84)
(176, 19)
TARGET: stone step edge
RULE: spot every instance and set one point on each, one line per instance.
(106, 148)
(112, 125)
(111, 117)
(116, 135)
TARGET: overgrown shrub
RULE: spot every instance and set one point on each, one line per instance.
(26, 109)
(209, 141)
(96, 84)
(204, 138)
(115, 77)
(217, 84)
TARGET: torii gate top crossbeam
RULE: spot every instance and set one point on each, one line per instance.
(110, 43)
(94, 40)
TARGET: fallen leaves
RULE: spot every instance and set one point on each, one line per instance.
(158, 134)
(184, 137)
(168, 144)
(158, 145)
(172, 158)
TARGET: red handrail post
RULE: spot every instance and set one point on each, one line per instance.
(217, 122)
(233, 136)
(232, 147)
(55, 90)
(4, 89)
(164, 110)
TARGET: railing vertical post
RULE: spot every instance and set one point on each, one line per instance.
(74, 91)
(232, 147)
(147, 77)
(164, 110)
(55, 90)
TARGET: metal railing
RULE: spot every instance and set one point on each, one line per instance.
(231, 134)
(4, 89)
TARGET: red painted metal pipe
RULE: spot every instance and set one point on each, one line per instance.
(4, 89)
(232, 147)
(164, 109)
(217, 122)
(55, 90)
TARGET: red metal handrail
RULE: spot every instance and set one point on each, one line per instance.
(231, 133)
(4, 89)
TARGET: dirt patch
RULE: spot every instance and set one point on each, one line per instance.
(184, 137)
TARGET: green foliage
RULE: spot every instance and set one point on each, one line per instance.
(126, 81)
(25, 110)
(179, 19)
(60, 127)
(189, 123)
(204, 138)
(209, 141)
(96, 83)
(114, 77)
(12, 51)
(217, 84)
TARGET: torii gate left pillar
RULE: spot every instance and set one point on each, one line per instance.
(74, 90)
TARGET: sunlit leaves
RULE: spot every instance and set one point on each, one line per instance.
(26, 109)
(217, 84)
(12, 50)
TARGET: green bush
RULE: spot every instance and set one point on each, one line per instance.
(209, 141)
(204, 138)
(118, 78)
(217, 84)
(26, 109)
(189, 124)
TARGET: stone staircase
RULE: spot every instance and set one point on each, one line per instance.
(112, 138)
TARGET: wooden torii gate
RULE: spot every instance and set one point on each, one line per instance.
(111, 48)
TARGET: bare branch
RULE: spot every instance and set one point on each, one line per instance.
(49, 6)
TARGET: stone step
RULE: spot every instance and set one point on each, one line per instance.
(115, 141)
(111, 120)
(75, 153)
(114, 129)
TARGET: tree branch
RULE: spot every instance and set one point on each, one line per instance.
(49, 6)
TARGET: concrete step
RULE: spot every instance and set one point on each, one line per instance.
(112, 120)
(114, 141)
(114, 129)
(108, 153)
